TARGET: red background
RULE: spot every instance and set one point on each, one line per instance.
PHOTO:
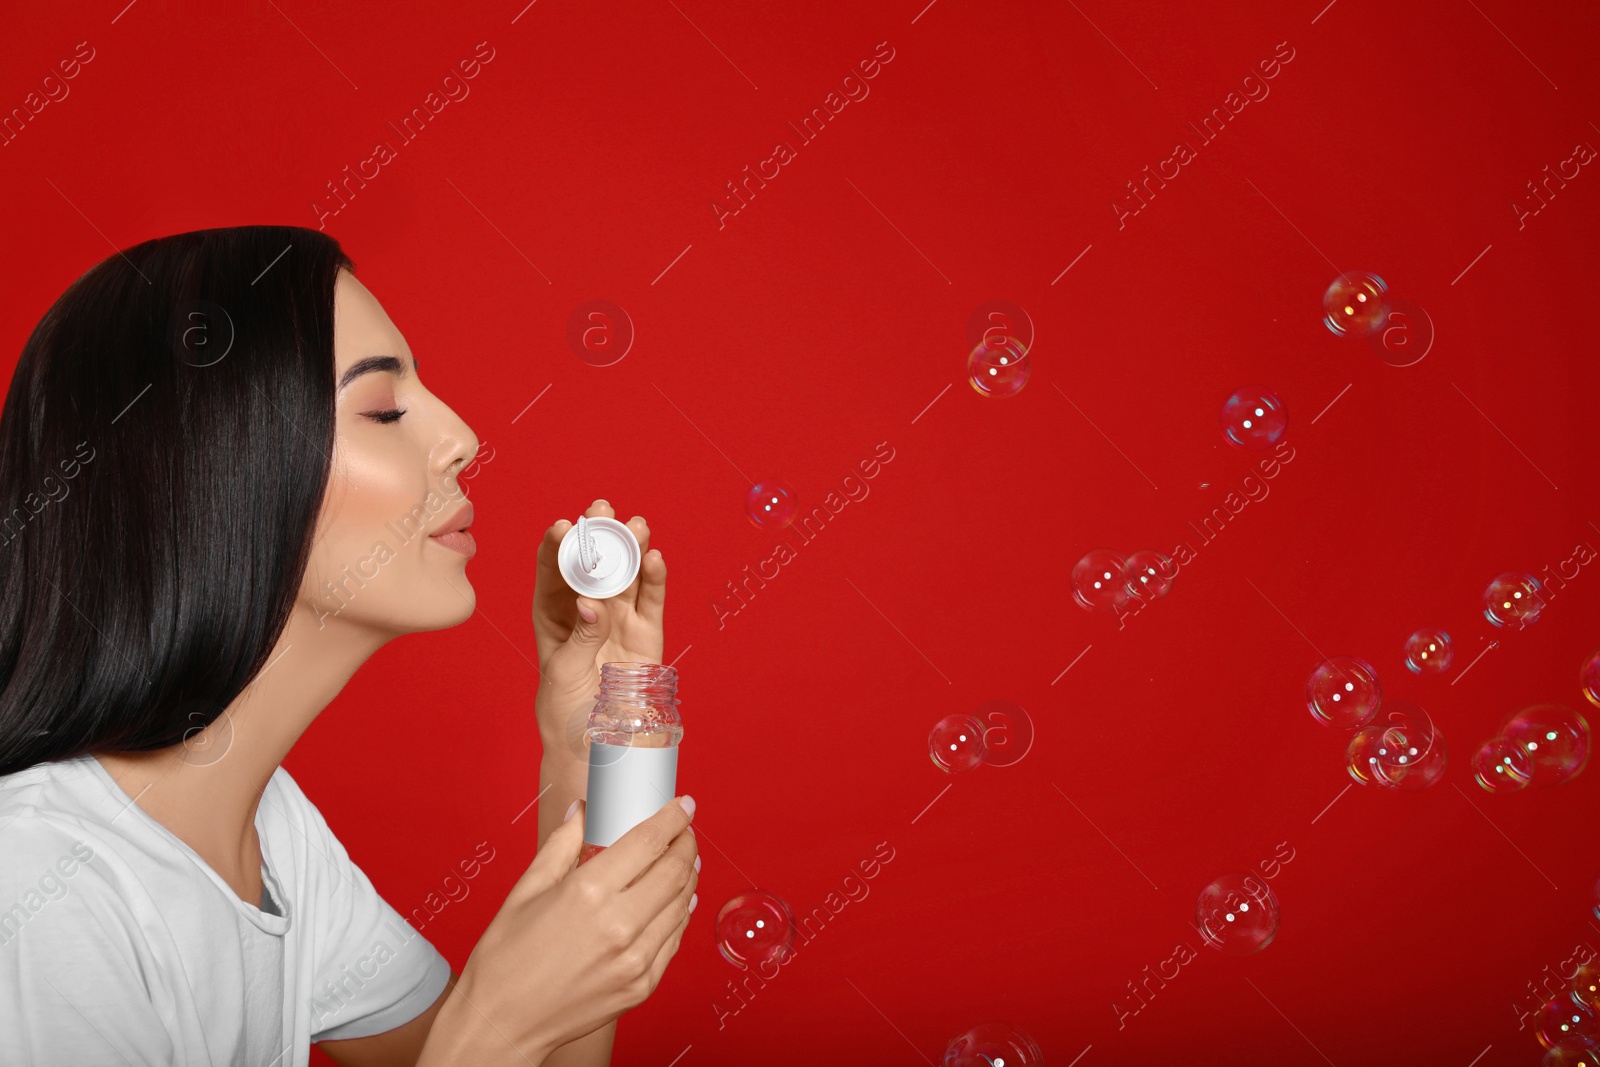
(807, 330)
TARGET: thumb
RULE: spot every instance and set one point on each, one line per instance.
(559, 853)
(593, 626)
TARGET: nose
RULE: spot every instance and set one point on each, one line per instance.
(456, 447)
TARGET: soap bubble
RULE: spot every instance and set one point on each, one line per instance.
(1404, 336)
(1343, 692)
(1149, 573)
(1586, 987)
(755, 927)
(1237, 914)
(1427, 753)
(1428, 652)
(599, 332)
(1556, 739)
(1007, 732)
(1589, 678)
(956, 743)
(1502, 766)
(1513, 600)
(1563, 1022)
(1253, 419)
(993, 1045)
(999, 318)
(1098, 583)
(770, 503)
(999, 367)
(1583, 1054)
(1355, 304)
(1404, 752)
(1362, 755)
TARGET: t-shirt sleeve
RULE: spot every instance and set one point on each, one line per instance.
(73, 986)
(372, 970)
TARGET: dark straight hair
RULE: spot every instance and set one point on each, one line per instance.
(164, 451)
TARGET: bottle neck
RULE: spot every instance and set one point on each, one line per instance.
(643, 695)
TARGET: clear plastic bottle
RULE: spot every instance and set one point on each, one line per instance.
(634, 731)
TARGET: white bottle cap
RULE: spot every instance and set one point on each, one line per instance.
(599, 557)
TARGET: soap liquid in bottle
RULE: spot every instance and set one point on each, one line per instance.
(634, 730)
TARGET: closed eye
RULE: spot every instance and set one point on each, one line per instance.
(392, 415)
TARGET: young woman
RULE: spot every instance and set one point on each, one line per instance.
(223, 487)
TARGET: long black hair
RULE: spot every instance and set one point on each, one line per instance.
(164, 451)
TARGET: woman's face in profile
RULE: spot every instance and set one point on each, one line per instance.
(398, 451)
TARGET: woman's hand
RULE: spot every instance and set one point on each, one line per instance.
(572, 947)
(626, 627)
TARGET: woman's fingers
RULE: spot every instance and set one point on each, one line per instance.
(668, 949)
(554, 609)
(555, 859)
(641, 532)
(553, 600)
(663, 933)
(635, 855)
(665, 891)
(651, 603)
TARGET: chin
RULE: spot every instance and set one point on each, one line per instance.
(459, 608)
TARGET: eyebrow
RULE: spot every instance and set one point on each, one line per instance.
(375, 363)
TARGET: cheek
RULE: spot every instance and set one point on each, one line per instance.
(377, 485)
(372, 496)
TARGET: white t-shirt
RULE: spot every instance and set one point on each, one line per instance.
(120, 945)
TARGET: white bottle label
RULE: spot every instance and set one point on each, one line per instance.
(627, 785)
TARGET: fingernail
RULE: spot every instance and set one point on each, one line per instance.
(587, 612)
(697, 863)
(694, 902)
(687, 803)
(571, 811)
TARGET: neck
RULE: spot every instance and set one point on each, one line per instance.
(208, 789)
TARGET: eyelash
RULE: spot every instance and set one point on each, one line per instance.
(392, 415)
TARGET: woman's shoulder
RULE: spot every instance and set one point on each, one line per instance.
(285, 801)
(41, 803)
(50, 864)
(31, 838)
(55, 818)
(296, 828)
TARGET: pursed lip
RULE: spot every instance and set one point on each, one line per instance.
(460, 520)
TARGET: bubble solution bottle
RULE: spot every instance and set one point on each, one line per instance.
(634, 730)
